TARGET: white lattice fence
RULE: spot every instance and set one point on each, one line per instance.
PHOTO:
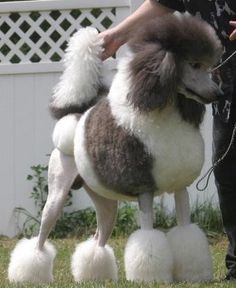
(40, 34)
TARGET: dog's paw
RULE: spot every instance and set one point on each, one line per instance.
(29, 264)
(92, 262)
(148, 257)
(192, 258)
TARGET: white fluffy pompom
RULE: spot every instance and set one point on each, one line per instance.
(192, 258)
(148, 257)
(91, 262)
(29, 264)
(80, 80)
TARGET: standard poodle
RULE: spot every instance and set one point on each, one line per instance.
(132, 141)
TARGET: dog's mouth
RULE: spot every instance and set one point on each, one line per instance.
(191, 94)
(201, 98)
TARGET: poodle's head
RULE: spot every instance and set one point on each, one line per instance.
(173, 56)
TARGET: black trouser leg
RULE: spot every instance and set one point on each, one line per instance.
(225, 177)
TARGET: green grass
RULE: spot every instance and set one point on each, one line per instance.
(63, 276)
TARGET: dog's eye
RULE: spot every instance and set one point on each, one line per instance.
(196, 65)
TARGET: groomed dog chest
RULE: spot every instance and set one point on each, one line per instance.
(160, 154)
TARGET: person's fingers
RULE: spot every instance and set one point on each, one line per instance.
(106, 45)
(110, 46)
(232, 36)
(232, 23)
(104, 55)
(109, 50)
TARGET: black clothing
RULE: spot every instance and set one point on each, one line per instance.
(226, 184)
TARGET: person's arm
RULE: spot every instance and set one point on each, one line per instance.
(232, 36)
(119, 35)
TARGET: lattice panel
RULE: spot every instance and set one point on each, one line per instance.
(32, 37)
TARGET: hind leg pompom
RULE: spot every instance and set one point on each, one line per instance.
(148, 257)
(32, 260)
(93, 262)
(28, 263)
(93, 259)
(192, 258)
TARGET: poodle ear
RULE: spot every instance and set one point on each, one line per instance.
(154, 79)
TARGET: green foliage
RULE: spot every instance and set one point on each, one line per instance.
(208, 217)
(77, 223)
(163, 218)
(40, 188)
(126, 220)
(39, 195)
(205, 214)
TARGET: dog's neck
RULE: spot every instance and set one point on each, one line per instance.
(190, 110)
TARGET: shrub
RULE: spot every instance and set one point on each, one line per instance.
(208, 217)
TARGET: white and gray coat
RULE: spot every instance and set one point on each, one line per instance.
(137, 140)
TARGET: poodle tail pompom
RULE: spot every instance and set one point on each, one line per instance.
(80, 81)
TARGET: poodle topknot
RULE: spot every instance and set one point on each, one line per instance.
(183, 35)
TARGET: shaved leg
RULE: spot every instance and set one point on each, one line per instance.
(182, 207)
(106, 211)
(148, 257)
(61, 175)
(145, 201)
(189, 245)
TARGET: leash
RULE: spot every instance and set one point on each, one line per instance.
(224, 62)
(207, 175)
(215, 164)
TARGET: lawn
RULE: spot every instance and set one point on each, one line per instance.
(63, 276)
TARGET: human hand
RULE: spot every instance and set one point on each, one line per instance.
(111, 43)
(232, 36)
